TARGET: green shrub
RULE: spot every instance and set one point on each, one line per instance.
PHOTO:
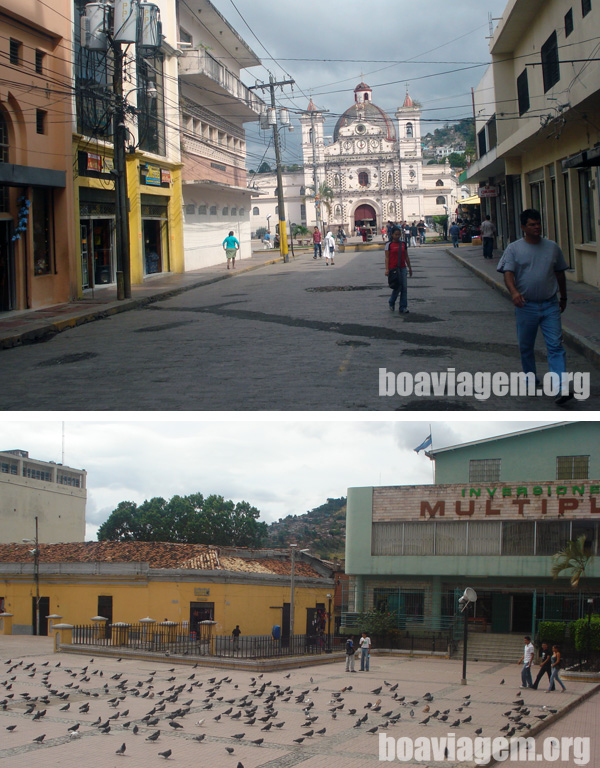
(551, 632)
(377, 622)
(579, 632)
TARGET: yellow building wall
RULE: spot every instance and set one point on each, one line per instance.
(256, 608)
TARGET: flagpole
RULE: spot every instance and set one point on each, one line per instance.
(432, 461)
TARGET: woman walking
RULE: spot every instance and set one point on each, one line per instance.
(231, 246)
(556, 664)
(329, 248)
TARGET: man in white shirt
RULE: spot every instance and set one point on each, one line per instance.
(527, 660)
(488, 231)
(365, 650)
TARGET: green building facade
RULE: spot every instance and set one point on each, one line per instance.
(499, 510)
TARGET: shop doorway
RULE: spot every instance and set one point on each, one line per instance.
(7, 267)
(522, 612)
(97, 252)
(154, 231)
(105, 608)
(44, 612)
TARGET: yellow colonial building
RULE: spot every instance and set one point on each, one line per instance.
(182, 583)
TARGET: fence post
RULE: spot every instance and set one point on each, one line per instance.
(63, 635)
(6, 623)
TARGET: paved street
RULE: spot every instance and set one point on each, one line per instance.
(297, 336)
(200, 713)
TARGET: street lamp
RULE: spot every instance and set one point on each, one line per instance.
(329, 624)
(590, 603)
(469, 596)
(36, 571)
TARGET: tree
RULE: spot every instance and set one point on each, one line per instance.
(457, 160)
(575, 557)
(324, 195)
(190, 519)
(299, 230)
(264, 168)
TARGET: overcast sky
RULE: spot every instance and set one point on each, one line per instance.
(281, 467)
(439, 44)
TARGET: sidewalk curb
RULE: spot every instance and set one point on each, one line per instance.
(53, 327)
(575, 340)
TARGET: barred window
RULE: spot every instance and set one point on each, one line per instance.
(39, 61)
(551, 536)
(484, 470)
(15, 51)
(190, 209)
(518, 537)
(484, 537)
(450, 539)
(572, 467)
(8, 469)
(386, 539)
(568, 22)
(586, 7)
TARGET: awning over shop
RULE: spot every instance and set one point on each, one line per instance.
(473, 200)
(583, 160)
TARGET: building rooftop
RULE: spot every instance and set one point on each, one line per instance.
(162, 555)
(435, 451)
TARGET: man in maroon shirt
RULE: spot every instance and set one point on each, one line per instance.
(396, 256)
(316, 236)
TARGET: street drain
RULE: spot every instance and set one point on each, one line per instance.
(76, 357)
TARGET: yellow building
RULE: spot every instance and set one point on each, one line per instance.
(183, 583)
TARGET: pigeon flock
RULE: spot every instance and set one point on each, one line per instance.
(138, 711)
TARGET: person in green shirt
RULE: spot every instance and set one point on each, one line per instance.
(231, 246)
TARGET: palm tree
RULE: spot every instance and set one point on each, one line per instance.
(576, 556)
(324, 195)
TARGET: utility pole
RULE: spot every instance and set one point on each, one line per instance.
(122, 219)
(283, 244)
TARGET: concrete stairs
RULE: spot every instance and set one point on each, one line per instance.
(484, 646)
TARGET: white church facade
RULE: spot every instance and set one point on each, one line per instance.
(374, 166)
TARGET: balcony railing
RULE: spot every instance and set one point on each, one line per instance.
(200, 62)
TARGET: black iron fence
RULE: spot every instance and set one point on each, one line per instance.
(178, 639)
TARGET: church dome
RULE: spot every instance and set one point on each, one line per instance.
(366, 112)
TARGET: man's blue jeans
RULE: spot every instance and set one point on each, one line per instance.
(526, 676)
(544, 315)
(402, 291)
(364, 659)
(455, 242)
(317, 249)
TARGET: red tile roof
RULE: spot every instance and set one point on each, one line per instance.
(157, 555)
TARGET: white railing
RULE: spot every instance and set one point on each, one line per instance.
(201, 62)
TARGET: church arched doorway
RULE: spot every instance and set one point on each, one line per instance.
(365, 215)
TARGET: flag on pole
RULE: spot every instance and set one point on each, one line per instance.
(425, 444)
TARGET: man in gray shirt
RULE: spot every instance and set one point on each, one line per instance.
(534, 271)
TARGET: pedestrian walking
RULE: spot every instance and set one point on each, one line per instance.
(413, 234)
(545, 667)
(397, 269)
(267, 239)
(556, 663)
(534, 272)
(350, 651)
(421, 232)
(454, 233)
(365, 652)
(384, 233)
(488, 232)
(231, 246)
(316, 238)
(527, 660)
(329, 248)
(236, 637)
(406, 232)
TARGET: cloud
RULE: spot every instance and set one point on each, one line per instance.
(280, 467)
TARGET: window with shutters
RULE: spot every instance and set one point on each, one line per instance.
(550, 64)
(523, 92)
